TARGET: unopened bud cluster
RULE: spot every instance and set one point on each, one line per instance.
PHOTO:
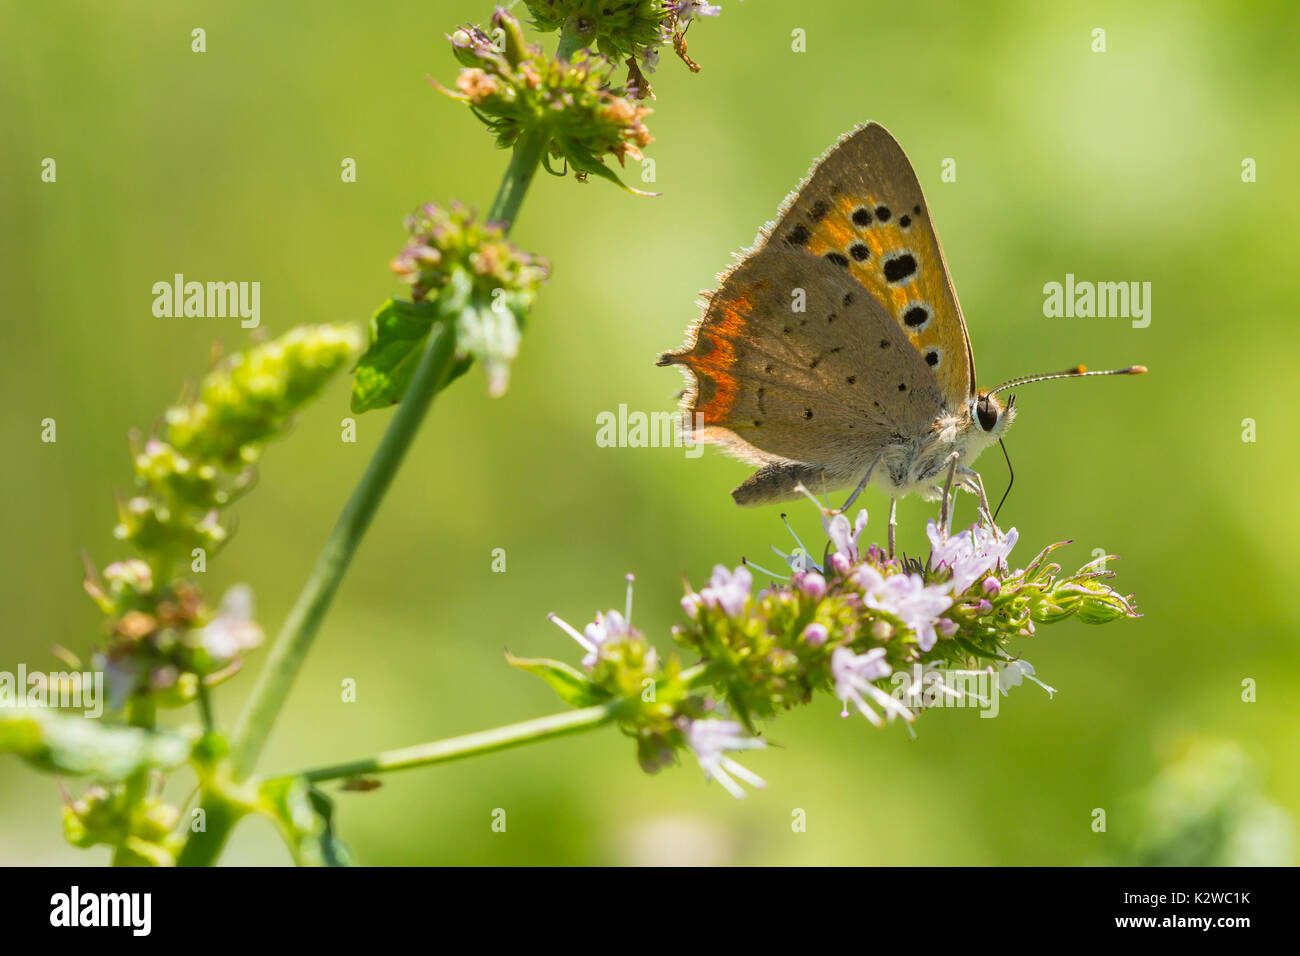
(163, 637)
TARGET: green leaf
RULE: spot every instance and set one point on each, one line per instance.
(975, 650)
(399, 331)
(72, 744)
(305, 817)
(573, 686)
(582, 160)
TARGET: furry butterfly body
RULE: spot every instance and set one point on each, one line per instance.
(836, 349)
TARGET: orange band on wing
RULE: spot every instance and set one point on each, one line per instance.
(717, 363)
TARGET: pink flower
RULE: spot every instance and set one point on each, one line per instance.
(728, 590)
(854, 675)
(710, 739)
(971, 554)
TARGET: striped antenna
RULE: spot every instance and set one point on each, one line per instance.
(1078, 371)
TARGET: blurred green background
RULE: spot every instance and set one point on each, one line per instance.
(1119, 166)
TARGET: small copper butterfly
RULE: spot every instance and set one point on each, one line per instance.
(835, 350)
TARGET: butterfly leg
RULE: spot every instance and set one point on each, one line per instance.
(893, 523)
(861, 485)
(946, 507)
(975, 483)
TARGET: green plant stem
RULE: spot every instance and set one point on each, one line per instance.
(140, 712)
(219, 815)
(471, 745)
(524, 161)
(299, 630)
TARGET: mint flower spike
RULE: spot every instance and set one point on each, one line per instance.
(163, 641)
(710, 739)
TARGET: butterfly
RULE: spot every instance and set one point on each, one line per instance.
(835, 351)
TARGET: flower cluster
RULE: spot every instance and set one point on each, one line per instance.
(518, 90)
(855, 629)
(618, 29)
(626, 28)
(445, 242)
(472, 274)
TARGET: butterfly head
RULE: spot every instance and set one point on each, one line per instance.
(992, 415)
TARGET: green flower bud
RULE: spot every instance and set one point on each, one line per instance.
(156, 528)
(1095, 603)
(248, 399)
(129, 582)
(173, 477)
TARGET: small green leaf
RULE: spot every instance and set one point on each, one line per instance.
(572, 685)
(975, 650)
(305, 817)
(398, 333)
(583, 161)
(72, 744)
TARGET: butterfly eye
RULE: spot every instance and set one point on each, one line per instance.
(987, 413)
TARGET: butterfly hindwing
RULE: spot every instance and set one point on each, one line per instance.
(795, 363)
(862, 210)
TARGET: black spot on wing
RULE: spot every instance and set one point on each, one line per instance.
(916, 316)
(798, 236)
(900, 268)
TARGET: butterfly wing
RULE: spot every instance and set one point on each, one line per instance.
(862, 209)
(795, 366)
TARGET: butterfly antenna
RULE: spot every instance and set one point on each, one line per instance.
(1079, 371)
(1011, 481)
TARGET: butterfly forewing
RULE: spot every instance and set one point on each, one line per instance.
(793, 360)
(862, 210)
